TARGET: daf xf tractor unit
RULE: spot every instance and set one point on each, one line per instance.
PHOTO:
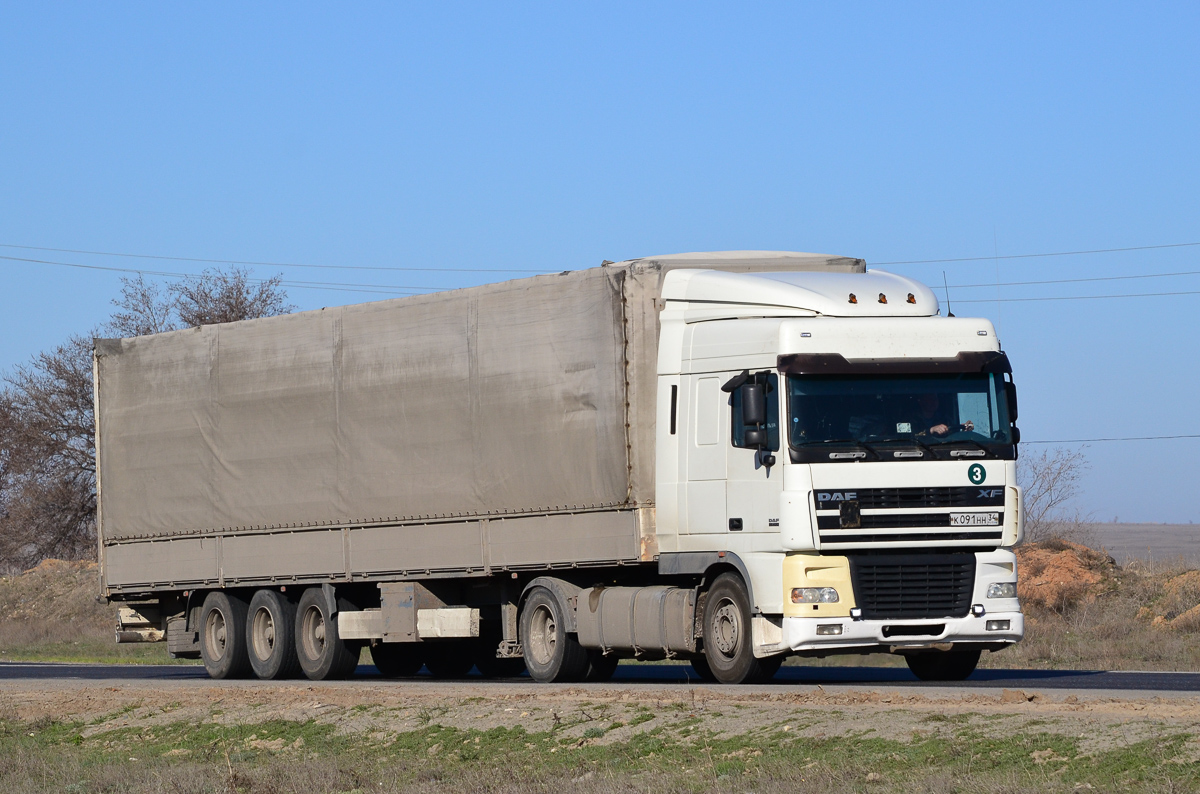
(728, 458)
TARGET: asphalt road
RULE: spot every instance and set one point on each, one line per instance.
(841, 678)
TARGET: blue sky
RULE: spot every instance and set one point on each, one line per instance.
(552, 136)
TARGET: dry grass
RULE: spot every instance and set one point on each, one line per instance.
(51, 613)
(1144, 616)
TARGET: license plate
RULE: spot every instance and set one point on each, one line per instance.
(974, 519)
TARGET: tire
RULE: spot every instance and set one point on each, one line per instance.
(600, 667)
(943, 665)
(701, 668)
(223, 636)
(728, 640)
(449, 659)
(551, 654)
(271, 636)
(397, 659)
(491, 666)
(322, 653)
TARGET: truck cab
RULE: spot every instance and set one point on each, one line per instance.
(848, 452)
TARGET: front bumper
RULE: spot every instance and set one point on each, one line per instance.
(800, 634)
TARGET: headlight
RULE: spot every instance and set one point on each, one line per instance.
(814, 595)
(1001, 590)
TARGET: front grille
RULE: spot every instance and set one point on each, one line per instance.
(906, 586)
(993, 536)
(892, 521)
(891, 498)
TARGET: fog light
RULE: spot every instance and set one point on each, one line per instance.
(814, 595)
(1002, 590)
(992, 625)
(828, 630)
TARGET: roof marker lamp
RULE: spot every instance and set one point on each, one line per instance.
(912, 298)
(882, 298)
(853, 298)
(814, 595)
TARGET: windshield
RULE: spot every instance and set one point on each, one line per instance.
(921, 409)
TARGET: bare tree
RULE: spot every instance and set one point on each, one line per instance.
(47, 427)
(1049, 481)
(48, 471)
(215, 296)
(143, 308)
(220, 296)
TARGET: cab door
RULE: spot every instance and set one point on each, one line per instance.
(754, 479)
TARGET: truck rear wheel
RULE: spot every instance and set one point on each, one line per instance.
(491, 666)
(600, 667)
(271, 635)
(551, 654)
(943, 665)
(223, 635)
(728, 639)
(322, 653)
(397, 659)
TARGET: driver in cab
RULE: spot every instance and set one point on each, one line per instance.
(934, 421)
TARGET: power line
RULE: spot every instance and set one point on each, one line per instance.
(386, 289)
(274, 264)
(1033, 256)
(1094, 440)
(1078, 280)
(1078, 297)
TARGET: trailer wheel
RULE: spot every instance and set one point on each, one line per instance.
(728, 640)
(450, 658)
(551, 654)
(223, 635)
(323, 654)
(943, 665)
(271, 635)
(397, 659)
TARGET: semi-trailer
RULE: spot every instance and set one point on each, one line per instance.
(727, 458)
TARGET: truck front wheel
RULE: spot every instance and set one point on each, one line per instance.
(223, 635)
(551, 654)
(323, 654)
(728, 640)
(943, 665)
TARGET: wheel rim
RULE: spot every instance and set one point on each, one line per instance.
(263, 633)
(215, 634)
(314, 633)
(726, 628)
(543, 634)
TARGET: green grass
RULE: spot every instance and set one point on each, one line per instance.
(281, 755)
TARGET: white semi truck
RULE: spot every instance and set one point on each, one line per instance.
(726, 457)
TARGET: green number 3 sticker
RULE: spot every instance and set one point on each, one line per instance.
(976, 474)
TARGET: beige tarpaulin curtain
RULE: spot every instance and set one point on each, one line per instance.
(522, 397)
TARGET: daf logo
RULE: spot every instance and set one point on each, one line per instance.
(990, 493)
(836, 496)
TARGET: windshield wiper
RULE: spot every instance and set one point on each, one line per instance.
(968, 441)
(907, 440)
(846, 442)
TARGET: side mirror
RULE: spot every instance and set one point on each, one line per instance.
(754, 406)
(1010, 391)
